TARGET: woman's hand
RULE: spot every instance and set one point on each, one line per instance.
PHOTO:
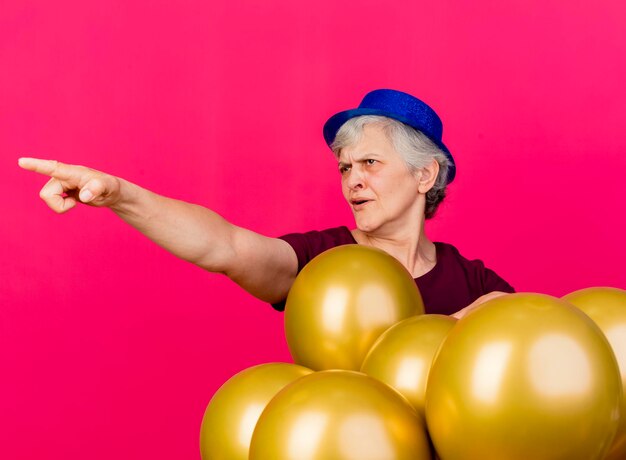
(481, 300)
(69, 184)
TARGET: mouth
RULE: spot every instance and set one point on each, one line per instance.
(359, 203)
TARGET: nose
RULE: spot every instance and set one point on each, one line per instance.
(355, 179)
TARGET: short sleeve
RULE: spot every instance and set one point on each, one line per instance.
(455, 282)
(493, 282)
(310, 244)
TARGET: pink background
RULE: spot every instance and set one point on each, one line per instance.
(109, 346)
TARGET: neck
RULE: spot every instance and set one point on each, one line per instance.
(410, 246)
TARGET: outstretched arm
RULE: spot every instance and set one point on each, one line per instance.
(265, 267)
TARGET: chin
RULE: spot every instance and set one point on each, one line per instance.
(366, 227)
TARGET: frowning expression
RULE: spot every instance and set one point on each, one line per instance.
(377, 183)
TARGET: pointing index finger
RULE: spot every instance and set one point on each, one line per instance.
(50, 168)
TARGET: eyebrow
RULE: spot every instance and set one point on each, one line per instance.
(365, 156)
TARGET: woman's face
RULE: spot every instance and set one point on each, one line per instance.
(378, 185)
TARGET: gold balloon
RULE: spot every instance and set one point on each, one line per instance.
(339, 415)
(607, 308)
(402, 356)
(342, 301)
(524, 376)
(232, 413)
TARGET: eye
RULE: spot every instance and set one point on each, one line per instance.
(370, 161)
(344, 168)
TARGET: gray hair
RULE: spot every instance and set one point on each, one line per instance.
(414, 147)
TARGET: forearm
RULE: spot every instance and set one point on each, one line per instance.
(188, 231)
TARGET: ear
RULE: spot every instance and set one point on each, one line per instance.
(427, 176)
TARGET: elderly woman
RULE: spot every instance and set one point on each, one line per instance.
(394, 172)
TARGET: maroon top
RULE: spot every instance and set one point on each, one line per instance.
(452, 284)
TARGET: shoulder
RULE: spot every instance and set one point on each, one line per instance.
(309, 244)
(449, 252)
(449, 256)
(328, 237)
(474, 270)
(328, 232)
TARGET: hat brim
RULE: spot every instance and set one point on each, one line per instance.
(335, 122)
